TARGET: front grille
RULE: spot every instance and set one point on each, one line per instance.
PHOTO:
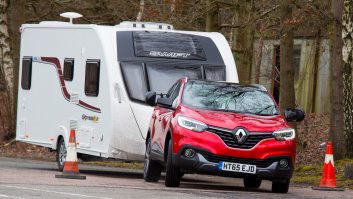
(228, 138)
(217, 158)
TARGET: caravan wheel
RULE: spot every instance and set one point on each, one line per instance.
(61, 154)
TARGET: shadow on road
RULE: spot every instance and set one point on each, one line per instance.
(210, 186)
(113, 174)
(188, 181)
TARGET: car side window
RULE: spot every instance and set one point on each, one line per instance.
(170, 91)
(175, 95)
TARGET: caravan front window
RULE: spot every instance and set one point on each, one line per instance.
(161, 77)
(140, 78)
(215, 73)
(154, 60)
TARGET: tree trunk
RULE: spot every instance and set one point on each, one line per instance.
(172, 6)
(287, 94)
(258, 61)
(243, 40)
(5, 49)
(336, 116)
(316, 68)
(347, 36)
(212, 24)
(140, 13)
(16, 17)
(7, 63)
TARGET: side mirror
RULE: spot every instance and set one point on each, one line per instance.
(294, 114)
(165, 102)
(151, 98)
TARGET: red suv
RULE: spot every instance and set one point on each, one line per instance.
(220, 128)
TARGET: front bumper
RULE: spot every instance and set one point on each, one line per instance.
(205, 162)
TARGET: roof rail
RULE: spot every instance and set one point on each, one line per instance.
(263, 88)
(146, 25)
(53, 23)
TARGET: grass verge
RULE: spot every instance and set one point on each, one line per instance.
(127, 165)
(311, 174)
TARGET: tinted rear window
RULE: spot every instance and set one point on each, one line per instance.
(167, 45)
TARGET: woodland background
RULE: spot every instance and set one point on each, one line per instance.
(263, 35)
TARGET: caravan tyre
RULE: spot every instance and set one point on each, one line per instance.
(152, 170)
(61, 154)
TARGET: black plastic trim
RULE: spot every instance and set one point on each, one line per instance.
(195, 165)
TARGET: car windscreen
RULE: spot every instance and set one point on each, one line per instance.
(228, 97)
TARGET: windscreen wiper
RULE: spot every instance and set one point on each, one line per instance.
(264, 114)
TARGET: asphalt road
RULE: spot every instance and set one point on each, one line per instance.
(36, 179)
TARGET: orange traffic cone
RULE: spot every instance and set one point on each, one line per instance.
(71, 165)
(328, 179)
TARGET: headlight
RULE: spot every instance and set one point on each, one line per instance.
(286, 134)
(191, 124)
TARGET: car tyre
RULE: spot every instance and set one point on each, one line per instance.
(280, 187)
(172, 174)
(152, 170)
(61, 154)
(252, 183)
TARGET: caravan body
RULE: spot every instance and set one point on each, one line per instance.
(93, 79)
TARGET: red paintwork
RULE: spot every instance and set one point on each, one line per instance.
(55, 61)
(165, 119)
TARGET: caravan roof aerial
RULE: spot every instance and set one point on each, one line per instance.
(70, 15)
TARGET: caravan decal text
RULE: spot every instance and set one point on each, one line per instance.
(91, 118)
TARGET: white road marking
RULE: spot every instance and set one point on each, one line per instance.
(56, 192)
(7, 196)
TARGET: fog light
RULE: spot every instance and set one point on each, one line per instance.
(283, 163)
(189, 153)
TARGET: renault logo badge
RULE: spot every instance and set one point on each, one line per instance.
(241, 135)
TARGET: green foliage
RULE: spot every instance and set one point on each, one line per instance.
(311, 174)
(119, 164)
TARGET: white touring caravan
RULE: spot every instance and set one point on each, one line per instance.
(93, 79)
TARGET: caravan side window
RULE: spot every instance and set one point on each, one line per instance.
(26, 73)
(69, 69)
(92, 78)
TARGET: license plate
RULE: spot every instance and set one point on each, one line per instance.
(236, 167)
